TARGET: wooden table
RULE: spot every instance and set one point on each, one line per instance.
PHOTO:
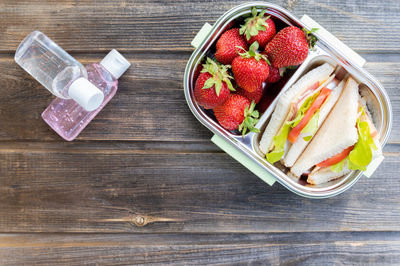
(143, 183)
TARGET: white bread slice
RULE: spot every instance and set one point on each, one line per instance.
(325, 174)
(300, 144)
(367, 117)
(336, 133)
(318, 74)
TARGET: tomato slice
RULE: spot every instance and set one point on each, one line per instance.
(337, 158)
(295, 132)
(306, 94)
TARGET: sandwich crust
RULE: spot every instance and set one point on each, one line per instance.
(300, 144)
(318, 74)
(325, 174)
(336, 133)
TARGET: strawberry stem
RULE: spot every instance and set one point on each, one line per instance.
(250, 119)
(310, 37)
(219, 74)
(254, 24)
(253, 53)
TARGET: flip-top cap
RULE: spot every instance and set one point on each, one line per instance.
(86, 94)
(115, 63)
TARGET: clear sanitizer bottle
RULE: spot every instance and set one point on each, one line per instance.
(57, 71)
(67, 117)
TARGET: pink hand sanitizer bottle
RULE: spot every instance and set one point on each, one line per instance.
(68, 118)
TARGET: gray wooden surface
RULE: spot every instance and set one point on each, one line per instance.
(143, 183)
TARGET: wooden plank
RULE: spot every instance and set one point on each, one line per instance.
(275, 249)
(83, 187)
(384, 73)
(103, 25)
(150, 104)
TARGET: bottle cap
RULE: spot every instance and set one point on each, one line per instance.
(115, 63)
(86, 94)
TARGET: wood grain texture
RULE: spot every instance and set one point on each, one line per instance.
(149, 105)
(130, 187)
(201, 249)
(143, 183)
(159, 25)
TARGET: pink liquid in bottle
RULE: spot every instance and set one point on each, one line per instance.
(68, 118)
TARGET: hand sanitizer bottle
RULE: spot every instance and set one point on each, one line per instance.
(66, 117)
(57, 71)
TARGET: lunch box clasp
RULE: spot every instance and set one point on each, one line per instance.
(201, 35)
(244, 160)
(373, 165)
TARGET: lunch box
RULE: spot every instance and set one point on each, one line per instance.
(327, 49)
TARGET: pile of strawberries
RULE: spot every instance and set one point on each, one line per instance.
(256, 56)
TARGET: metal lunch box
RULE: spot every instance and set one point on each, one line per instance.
(327, 49)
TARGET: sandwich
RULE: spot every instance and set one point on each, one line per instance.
(347, 140)
(299, 113)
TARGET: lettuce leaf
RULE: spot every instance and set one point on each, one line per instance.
(279, 144)
(361, 155)
(303, 109)
(279, 141)
(311, 127)
(337, 168)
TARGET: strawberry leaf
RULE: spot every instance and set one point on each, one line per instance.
(229, 83)
(254, 24)
(282, 71)
(254, 11)
(253, 48)
(246, 110)
(261, 27)
(219, 74)
(218, 86)
(241, 48)
(248, 35)
(253, 31)
(242, 29)
(209, 83)
(310, 37)
(256, 114)
(253, 53)
(250, 119)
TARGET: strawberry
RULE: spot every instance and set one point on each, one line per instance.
(250, 69)
(289, 47)
(252, 96)
(213, 85)
(226, 49)
(274, 75)
(237, 113)
(258, 28)
(197, 71)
